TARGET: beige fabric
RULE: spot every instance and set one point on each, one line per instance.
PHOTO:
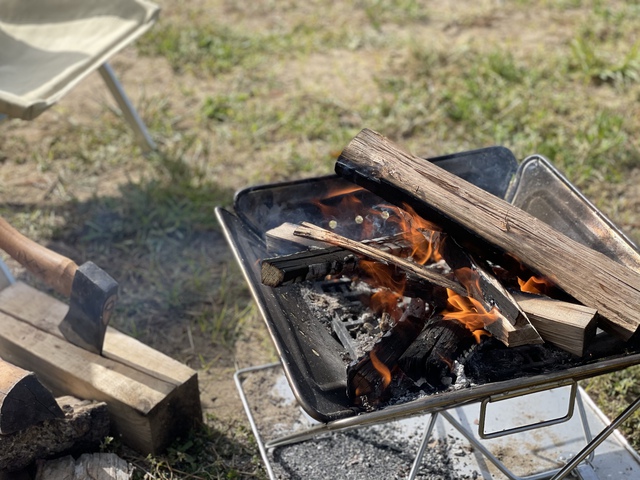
(48, 46)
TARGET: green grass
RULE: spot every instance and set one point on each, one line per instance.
(269, 91)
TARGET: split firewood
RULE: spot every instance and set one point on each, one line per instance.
(369, 377)
(309, 230)
(569, 326)
(24, 401)
(461, 208)
(152, 398)
(307, 265)
(282, 239)
(508, 322)
(318, 263)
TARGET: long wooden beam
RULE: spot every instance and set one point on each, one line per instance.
(589, 276)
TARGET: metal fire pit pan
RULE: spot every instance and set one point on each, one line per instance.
(312, 358)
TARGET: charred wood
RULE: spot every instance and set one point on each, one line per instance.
(370, 251)
(432, 355)
(307, 265)
(317, 263)
(369, 377)
(24, 401)
(373, 161)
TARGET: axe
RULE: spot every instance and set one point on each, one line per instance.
(92, 292)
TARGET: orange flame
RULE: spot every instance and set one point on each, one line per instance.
(537, 285)
(468, 310)
(422, 235)
(381, 368)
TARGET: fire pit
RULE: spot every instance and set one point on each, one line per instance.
(314, 352)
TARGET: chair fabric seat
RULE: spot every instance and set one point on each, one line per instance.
(48, 46)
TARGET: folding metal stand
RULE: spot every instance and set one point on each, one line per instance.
(574, 466)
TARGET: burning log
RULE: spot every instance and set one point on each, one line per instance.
(507, 321)
(369, 377)
(431, 355)
(24, 401)
(307, 265)
(369, 251)
(372, 161)
(569, 326)
(318, 263)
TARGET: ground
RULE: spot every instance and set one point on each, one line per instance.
(239, 93)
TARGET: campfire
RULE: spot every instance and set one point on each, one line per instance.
(412, 283)
(428, 300)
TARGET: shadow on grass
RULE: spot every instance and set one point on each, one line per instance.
(180, 292)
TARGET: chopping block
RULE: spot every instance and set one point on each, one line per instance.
(152, 399)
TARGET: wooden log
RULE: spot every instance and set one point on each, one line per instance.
(432, 354)
(508, 323)
(589, 276)
(83, 426)
(369, 377)
(318, 263)
(307, 265)
(24, 401)
(94, 466)
(569, 326)
(309, 230)
(152, 398)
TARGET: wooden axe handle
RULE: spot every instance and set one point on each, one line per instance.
(51, 267)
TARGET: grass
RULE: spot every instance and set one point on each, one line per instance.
(268, 91)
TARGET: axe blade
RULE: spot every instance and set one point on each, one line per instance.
(93, 296)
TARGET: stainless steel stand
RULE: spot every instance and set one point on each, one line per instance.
(578, 466)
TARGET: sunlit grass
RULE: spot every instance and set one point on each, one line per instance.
(244, 71)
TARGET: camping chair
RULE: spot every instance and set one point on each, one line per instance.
(48, 46)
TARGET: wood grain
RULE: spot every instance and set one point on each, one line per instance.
(589, 276)
(24, 401)
(151, 398)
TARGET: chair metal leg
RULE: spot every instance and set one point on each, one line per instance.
(130, 114)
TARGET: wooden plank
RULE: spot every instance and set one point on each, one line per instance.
(149, 404)
(24, 401)
(589, 276)
(567, 325)
(281, 239)
(45, 313)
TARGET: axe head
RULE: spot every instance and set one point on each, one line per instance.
(93, 297)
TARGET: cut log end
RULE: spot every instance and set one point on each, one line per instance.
(24, 401)
(270, 275)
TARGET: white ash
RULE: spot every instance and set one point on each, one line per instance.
(320, 301)
(378, 451)
(365, 327)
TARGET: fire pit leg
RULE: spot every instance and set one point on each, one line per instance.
(602, 436)
(245, 403)
(423, 446)
(588, 451)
